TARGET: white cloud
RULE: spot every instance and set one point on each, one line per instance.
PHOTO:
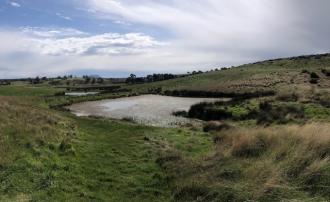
(68, 42)
(55, 32)
(63, 16)
(53, 51)
(15, 4)
(199, 34)
(121, 22)
(254, 28)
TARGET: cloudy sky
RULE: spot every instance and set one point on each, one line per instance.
(117, 37)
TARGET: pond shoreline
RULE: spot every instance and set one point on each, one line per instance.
(154, 110)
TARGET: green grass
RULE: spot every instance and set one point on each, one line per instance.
(54, 156)
(49, 155)
(273, 75)
(13, 90)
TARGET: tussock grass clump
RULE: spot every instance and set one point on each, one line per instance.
(288, 95)
(296, 155)
(216, 126)
(259, 164)
(326, 72)
(249, 146)
(323, 98)
(279, 113)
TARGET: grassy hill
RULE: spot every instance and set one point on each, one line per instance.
(271, 74)
(272, 148)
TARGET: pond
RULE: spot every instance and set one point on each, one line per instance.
(154, 110)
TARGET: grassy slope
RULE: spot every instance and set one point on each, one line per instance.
(272, 164)
(50, 155)
(224, 176)
(54, 156)
(262, 75)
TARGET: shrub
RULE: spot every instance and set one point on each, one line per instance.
(247, 146)
(128, 119)
(216, 126)
(314, 81)
(326, 72)
(323, 98)
(287, 96)
(305, 71)
(208, 112)
(67, 148)
(313, 75)
(59, 94)
(180, 113)
(281, 114)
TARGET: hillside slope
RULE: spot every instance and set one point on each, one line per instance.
(270, 74)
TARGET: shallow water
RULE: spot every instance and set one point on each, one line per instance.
(152, 110)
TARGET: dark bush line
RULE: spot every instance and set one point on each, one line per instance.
(269, 113)
(192, 93)
(208, 111)
(89, 88)
(266, 114)
(119, 90)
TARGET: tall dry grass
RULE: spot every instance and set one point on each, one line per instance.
(295, 157)
(24, 125)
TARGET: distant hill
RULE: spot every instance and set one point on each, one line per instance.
(270, 74)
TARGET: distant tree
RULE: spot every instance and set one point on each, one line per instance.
(87, 79)
(150, 78)
(131, 79)
(100, 80)
(36, 80)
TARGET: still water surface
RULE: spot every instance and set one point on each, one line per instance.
(152, 110)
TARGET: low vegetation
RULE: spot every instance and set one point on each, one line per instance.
(256, 164)
(269, 142)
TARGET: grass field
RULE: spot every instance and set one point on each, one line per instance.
(54, 156)
(275, 148)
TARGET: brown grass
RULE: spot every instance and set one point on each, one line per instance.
(295, 155)
(25, 126)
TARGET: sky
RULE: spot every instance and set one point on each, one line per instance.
(114, 38)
